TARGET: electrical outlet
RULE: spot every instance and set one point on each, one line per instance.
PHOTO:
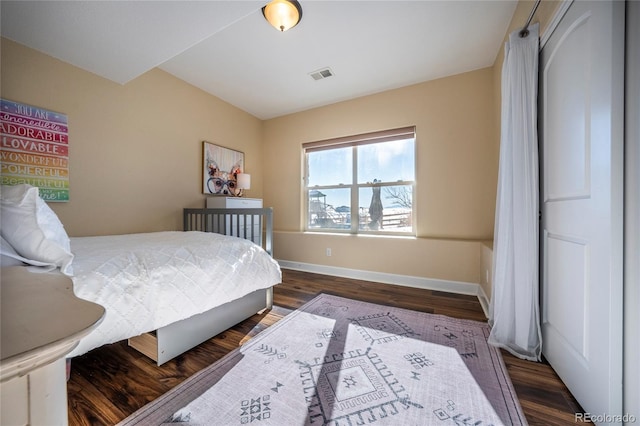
(328, 252)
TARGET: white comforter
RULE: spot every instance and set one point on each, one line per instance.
(147, 281)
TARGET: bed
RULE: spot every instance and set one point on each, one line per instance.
(164, 292)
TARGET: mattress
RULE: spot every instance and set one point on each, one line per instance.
(147, 281)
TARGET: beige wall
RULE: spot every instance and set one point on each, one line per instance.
(458, 142)
(135, 158)
(135, 149)
(456, 177)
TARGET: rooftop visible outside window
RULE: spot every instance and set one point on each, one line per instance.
(362, 184)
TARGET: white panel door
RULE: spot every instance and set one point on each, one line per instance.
(581, 143)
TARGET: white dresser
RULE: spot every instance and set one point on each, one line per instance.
(238, 203)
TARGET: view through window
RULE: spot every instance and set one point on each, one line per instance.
(362, 184)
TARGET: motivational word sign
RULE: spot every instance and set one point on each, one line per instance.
(35, 149)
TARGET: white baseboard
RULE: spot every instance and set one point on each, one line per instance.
(458, 287)
(484, 301)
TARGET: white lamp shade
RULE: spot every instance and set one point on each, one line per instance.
(244, 181)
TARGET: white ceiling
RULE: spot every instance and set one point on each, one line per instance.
(227, 48)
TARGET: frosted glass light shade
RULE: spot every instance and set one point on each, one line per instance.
(282, 14)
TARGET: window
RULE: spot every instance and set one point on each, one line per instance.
(362, 184)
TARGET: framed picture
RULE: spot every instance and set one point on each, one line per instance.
(221, 167)
(35, 149)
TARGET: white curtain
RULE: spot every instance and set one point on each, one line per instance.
(515, 308)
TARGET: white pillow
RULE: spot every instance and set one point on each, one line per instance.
(9, 261)
(9, 257)
(33, 229)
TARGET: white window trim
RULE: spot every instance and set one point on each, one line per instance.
(355, 141)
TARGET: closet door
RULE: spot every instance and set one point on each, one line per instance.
(581, 141)
(632, 213)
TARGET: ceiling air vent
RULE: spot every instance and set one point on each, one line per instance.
(320, 74)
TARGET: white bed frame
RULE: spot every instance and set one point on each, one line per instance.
(168, 342)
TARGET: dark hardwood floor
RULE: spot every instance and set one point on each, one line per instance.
(111, 382)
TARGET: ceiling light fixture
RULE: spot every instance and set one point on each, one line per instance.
(282, 14)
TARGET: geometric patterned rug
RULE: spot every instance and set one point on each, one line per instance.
(337, 361)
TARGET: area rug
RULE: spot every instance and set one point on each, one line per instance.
(338, 361)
